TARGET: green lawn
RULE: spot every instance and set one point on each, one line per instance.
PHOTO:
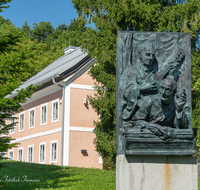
(54, 177)
(199, 184)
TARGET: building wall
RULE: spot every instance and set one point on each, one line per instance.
(81, 137)
(39, 133)
(80, 140)
(81, 114)
(84, 79)
(80, 126)
(36, 142)
(38, 127)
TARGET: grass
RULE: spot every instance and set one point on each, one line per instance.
(54, 177)
(199, 184)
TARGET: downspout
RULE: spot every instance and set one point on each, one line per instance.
(63, 115)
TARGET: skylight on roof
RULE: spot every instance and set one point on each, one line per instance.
(69, 49)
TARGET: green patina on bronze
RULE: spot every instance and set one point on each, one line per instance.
(154, 94)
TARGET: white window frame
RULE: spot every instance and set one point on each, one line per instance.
(52, 142)
(30, 146)
(42, 143)
(20, 121)
(18, 154)
(32, 109)
(3, 154)
(55, 101)
(43, 105)
(13, 126)
(100, 159)
(9, 154)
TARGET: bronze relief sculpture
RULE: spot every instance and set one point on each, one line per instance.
(154, 94)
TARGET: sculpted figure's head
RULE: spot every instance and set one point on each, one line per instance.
(180, 55)
(146, 54)
(167, 90)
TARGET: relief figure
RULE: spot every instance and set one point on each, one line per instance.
(137, 79)
(164, 113)
(143, 78)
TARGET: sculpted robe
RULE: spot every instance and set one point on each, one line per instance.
(153, 111)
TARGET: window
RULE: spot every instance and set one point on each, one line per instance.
(43, 114)
(54, 148)
(12, 120)
(55, 111)
(20, 154)
(21, 121)
(2, 154)
(42, 153)
(32, 118)
(100, 160)
(30, 153)
(11, 154)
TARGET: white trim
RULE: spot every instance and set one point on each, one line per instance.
(66, 127)
(41, 106)
(19, 121)
(13, 126)
(37, 135)
(81, 86)
(9, 154)
(84, 129)
(42, 143)
(30, 146)
(32, 109)
(21, 148)
(54, 101)
(54, 141)
(100, 160)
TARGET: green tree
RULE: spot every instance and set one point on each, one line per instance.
(130, 15)
(26, 28)
(41, 31)
(20, 59)
(69, 35)
(7, 21)
(3, 6)
(11, 75)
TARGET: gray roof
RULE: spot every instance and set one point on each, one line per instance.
(59, 66)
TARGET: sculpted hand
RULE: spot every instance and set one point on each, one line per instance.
(180, 101)
(148, 87)
(173, 65)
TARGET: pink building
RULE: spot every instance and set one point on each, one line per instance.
(56, 124)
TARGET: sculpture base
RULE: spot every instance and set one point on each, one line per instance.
(145, 146)
(146, 143)
(156, 173)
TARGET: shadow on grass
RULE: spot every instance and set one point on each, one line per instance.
(22, 175)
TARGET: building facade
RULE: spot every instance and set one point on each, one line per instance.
(56, 124)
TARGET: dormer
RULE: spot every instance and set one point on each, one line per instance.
(69, 49)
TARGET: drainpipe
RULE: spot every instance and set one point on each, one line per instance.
(63, 115)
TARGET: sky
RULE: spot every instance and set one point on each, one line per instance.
(35, 11)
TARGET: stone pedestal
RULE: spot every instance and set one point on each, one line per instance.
(156, 173)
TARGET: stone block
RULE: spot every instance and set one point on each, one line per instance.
(147, 172)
